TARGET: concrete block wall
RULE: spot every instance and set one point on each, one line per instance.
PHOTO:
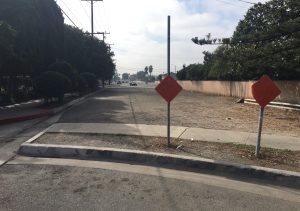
(290, 90)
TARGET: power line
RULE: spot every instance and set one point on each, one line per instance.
(99, 22)
(106, 17)
(86, 13)
(69, 18)
(248, 2)
(226, 2)
(72, 13)
(154, 56)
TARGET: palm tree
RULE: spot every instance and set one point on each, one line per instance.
(150, 70)
(146, 70)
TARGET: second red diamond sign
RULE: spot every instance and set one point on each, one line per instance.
(168, 88)
(264, 91)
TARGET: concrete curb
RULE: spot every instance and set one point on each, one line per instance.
(44, 113)
(280, 105)
(265, 175)
(26, 117)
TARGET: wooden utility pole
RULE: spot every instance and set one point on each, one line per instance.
(92, 20)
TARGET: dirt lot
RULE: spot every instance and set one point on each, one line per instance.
(279, 159)
(217, 112)
(145, 106)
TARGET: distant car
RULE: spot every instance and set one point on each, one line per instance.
(119, 82)
(133, 84)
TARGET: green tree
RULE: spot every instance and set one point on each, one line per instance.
(67, 70)
(146, 70)
(141, 75)
(192, 72)
(8, 59)
(99, 59)
(75, 49)
(7, 42)
(33, 36)
(37, 43)
(266, 41)
(150, 70)
(91, 80)
(159, 77)
(52, 85)
(39, 25)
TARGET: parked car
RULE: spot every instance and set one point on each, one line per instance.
(133, 83)
(119, 82)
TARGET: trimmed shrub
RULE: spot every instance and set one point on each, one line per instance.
(52, 85)
(67, 70)
(91, 80)
(82, 85)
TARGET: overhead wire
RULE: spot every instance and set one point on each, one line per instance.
(99, 23)
(151, 55)
(248, 2)
(72, 13)
(236, 5)
(106, 17)
(107, 20)
(86, 13)
(69, 18)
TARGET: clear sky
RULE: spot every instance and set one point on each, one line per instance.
(138, 28)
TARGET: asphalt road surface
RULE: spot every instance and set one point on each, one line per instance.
(142, 105)
(61, 184)
(58, 184)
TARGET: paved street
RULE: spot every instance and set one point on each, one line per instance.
(58, 184)
(13, 135)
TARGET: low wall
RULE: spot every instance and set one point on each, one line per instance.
(290, 90)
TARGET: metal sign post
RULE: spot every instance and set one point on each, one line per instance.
(169, 109)
(260, 122)
(168, 88)
(263, 91)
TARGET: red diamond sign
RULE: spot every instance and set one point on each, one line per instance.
(264, 91)
(168, 88)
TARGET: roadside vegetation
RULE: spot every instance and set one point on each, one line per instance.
(143, 75)
(266, 41)
(40, 56)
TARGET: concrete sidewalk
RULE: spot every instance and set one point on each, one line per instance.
(201, 134)
(32, 109)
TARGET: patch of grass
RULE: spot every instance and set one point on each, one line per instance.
(268, 150)
(245, 147)
(275, 151)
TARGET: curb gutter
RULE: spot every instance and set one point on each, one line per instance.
(265, 175)
(26, 117)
